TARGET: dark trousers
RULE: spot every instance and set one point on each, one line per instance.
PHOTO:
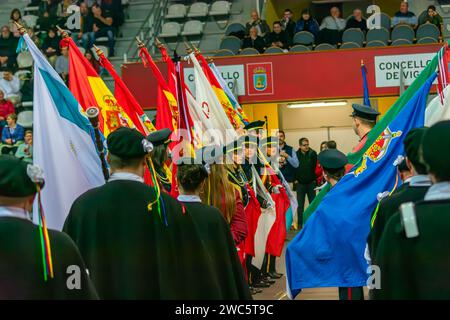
(304, 190)
(268, 265)
(253, 273)
(355, 293)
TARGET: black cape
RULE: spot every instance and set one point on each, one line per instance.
(416, 268)
(129, 251)
(21, 268)
(388, 207)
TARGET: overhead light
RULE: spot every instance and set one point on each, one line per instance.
(318, 104)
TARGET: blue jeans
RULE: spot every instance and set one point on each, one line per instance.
(88, 39)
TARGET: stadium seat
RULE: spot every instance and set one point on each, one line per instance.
(350, 45)
(176, 11)
(30, 20)
(375, 43)
(31, 10)
(428, 30)
(192, 28)
(354, 35)
(220, 8)
(104, 49)
(325, 46)
(224, 53)
(300, 48)
(235, 28)
(170, 30)
(403, 31)
(23, 75)
(304, 37)
(426, 40)
(274, 50)
(198, 10)
(401, 42)
(231, 43)
(24, 60)
(25, 119)
(101, 40)
(379, 20)
(249, 51)
(381, 34)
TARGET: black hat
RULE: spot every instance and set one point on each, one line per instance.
(412, 143)
(364, 112)
(269, 141)
(159, 137)
(210, 154)
(18, 178)
(436, 149)
(332, 159)
(128, 143)
(255, 125)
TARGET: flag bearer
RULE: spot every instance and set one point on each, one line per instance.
(160, 140)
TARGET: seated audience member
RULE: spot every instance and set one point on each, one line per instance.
(287, 23)
(6, 108)
(62, 11)
(87, 21)
(254, 41)
(50, 46)
(16, 16)
(261, 25)
(95, 64)
(47, 14)
(404, 16)
(8, 46)
(25, 150)
(307, 23)
(12, 135)
(116, 8)
(357, 21)
(332, 27)
(278, 37)
(432, 17)
(102, 26)
(10, 85)
(62, 63)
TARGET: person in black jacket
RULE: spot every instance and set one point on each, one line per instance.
(357, 21)
(278, 37)
(287, 23)
(254, 41)
(306, 177)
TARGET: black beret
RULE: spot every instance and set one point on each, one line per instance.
(15, 180)
(128, 143)
(269, 141)
(364, 112)
(255, 125)
(332, 159)
(436, 149)
(412, 144)
(159, 137)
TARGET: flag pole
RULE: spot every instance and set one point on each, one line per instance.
(92, 114)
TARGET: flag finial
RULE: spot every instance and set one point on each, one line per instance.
(362, 62)
(20, 28)
(158, 43)
(196, 50)
(188, 48)
(63, 32)
(98, 50)
(139, 43)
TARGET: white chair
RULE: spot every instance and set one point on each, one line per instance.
(176, 11)
(198, 10)
(25, 119)
(82, 50)
(30, 20)
(220, 8)
(192, 28)
(29, 10)
(24, 60)
(101, 40)
(170, 30)
(23, 75)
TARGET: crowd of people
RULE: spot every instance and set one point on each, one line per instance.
(260, 37)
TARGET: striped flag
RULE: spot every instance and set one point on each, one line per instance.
(63, 142)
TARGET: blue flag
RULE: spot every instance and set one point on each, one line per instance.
(365, 85)
(329, 250)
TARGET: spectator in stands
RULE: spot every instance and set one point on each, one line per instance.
(95, 64)
(25, 150)
(46, 21)
(332, 27)
(114, 6)
(50, 46)
(10, 85)
(12, 135)
(404, 16)
(278, 37)
(260, 25)
(86, 21)
(8, 46)
(254, 41)
(287, 23)
(62, 63)
(307, 23)
(6, 108)
(49, 6)
(101, 27)
(331, 144)
(16, 16)
(357, 21)
(432, 17)
(62, 11)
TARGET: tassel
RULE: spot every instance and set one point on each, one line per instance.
(47, 261)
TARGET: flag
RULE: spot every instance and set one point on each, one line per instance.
(436, 111)
(90, 90)
(365, 85)
(443, 74)
(126, 99)
(63, 144)
(330, 249)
